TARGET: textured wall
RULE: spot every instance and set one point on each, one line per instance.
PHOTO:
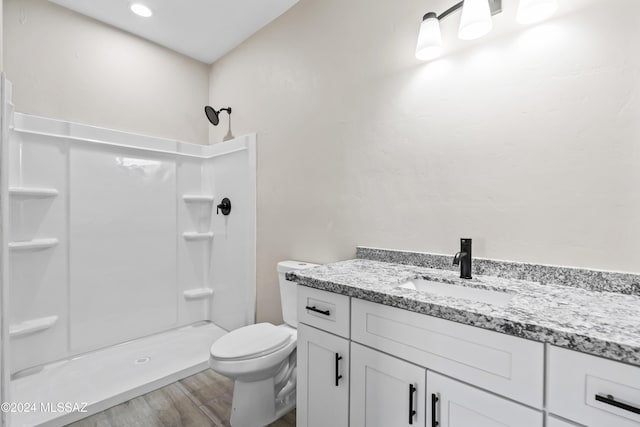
(526, 141)
(66, 66)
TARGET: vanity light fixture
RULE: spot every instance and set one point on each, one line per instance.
(475, 22)
(141, 10)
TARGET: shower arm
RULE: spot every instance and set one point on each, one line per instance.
(229, 135)
(228, 110)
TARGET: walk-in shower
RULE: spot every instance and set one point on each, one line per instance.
(120, 272)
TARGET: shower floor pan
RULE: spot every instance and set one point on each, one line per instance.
(96, 381)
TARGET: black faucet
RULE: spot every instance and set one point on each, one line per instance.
(463, 258)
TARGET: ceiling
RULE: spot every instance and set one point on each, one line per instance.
(201, 29)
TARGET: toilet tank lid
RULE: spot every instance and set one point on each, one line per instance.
(284, 266)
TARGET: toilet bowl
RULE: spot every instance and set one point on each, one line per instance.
(261, 359)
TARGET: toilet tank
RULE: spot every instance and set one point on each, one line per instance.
(288, 290)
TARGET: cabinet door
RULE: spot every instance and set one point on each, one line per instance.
(323, 379)
(385, 391)
(451, 403)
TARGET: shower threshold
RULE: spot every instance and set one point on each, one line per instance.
(63, 392)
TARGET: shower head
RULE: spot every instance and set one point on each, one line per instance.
(213, 115)
(214, 118)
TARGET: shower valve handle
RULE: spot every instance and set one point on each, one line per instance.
(224, 206)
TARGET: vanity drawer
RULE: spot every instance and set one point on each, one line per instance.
(500, 363)
(574, 381)
(324, 310)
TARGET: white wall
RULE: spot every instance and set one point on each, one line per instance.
(67, 66)
(526, 141)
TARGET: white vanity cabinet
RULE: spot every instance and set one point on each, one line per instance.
(401, 368)
(323, 379)
(385, 391)
(323, 359)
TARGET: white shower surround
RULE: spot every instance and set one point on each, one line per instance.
(113, 236)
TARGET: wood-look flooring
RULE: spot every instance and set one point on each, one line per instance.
(201, 400)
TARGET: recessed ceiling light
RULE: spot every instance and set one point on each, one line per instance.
(141, 10)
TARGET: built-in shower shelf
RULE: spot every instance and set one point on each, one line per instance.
(200, 293)
(33, 245)
(31, 326)
(197, 198)
(32, 192)
(194, 235)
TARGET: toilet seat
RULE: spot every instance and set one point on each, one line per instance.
(250, 342)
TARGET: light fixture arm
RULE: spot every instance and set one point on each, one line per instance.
(450, 10)
(494, 5)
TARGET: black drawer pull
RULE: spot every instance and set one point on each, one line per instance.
(412, 412)
(317, 310)
(338, 376)
(434, 407)
(610, 400)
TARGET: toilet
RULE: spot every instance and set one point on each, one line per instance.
(261, 359)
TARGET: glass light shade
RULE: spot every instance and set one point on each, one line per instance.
(429, 39)
(141, 10)
(532, 11)
(475, 21)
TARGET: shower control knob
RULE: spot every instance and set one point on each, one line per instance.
(224, 207)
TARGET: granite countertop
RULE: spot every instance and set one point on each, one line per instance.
(604, 324)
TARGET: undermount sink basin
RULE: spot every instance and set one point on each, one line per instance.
(456, 291)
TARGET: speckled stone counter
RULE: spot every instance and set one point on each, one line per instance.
(593, 280)
(601, 323)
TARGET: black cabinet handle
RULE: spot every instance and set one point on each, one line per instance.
(412, 412)
(338, 376)
(610, 400)
(317, 310)
(434, 407)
